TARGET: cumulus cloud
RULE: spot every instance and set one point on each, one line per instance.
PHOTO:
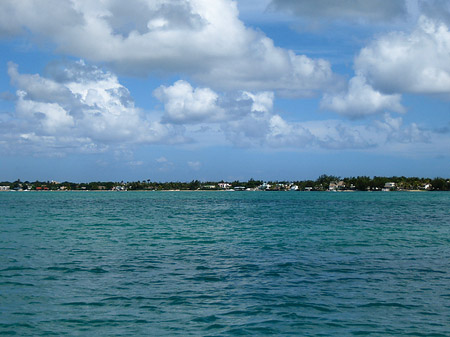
(245, 118)
(249, 121)
(382, 134)
(202, 38)
(414, 63)
(261, 101)
(355, 10)
(81, 104)
(394, 64)
(361, 100)
(265, 129)
(18, 16)
(184, 104)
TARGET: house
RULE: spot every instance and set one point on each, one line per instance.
(388, 187)
(224, 186)
(4, 188)
(427, 187)
(265, 186)
(337, 185)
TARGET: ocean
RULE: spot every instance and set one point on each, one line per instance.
(224, 263)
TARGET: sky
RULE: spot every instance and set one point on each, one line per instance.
(177, 90)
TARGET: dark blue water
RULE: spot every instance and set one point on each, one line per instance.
(225, 263)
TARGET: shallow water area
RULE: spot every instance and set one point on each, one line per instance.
(221, 263)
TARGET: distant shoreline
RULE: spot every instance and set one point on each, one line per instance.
(212, 191)
(322, 183)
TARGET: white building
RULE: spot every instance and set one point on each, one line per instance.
(388, 187)
(265, 186)
(224, 186)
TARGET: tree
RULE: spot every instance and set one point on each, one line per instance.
(362, 183)
(194, 185)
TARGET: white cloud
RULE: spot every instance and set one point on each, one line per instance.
(262, 101)
(265, 129)
(184, 104)
(18, 16)
(384, 135)
(394, 64)
(361, 100)
(87, 109)
(415, 63)
(380, 135)
(249, 121)
(202, 38)
(52, 117)
(91, 112)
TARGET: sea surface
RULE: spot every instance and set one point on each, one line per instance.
(224, 263)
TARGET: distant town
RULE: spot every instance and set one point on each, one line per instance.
(322, 183)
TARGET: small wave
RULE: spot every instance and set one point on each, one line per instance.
(12, 283)
(16, 268)
(91, 304)
(206, 279)
(98, 270)
(215, 326)
(93, 322)
(116, 298)
(205, 319)
(429, 270)
(389, 304)
(50, 278)
(16, 325)
(177, 300)
(65, 270)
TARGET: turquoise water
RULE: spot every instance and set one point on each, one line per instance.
(225, 263)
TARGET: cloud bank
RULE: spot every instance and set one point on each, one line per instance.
(202, 38)
(235, 73)
(81, 106)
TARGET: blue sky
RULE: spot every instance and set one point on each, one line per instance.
(219, 89)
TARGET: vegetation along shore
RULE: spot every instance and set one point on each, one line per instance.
(322, 183)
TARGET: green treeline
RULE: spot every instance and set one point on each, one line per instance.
(322, 183)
